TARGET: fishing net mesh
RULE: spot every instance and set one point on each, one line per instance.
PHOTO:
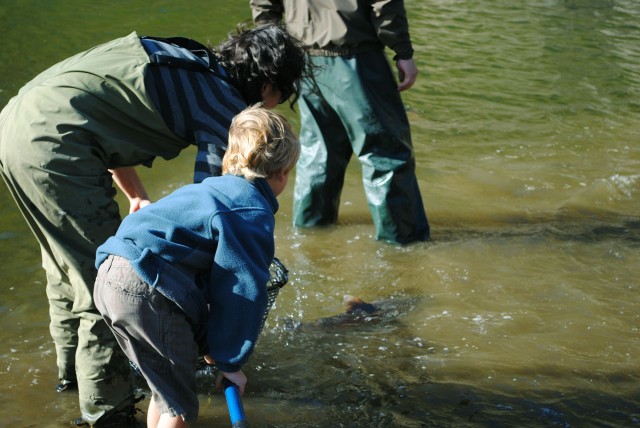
(279, 277)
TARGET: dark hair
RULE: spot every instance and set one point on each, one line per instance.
(266, 54)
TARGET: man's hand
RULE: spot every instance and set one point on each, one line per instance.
(407, 73)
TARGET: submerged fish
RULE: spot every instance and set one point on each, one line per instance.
(359, 313)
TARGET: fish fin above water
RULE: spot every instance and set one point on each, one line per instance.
(356, 304)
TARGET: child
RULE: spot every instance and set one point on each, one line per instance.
(187, 275)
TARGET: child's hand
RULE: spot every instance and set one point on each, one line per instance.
(236, 377)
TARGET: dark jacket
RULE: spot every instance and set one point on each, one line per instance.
(340, 27)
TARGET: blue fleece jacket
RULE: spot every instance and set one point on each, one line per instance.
(209, 243)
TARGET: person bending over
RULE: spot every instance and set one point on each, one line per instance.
(84, 124)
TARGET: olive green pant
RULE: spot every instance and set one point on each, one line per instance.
(54, 144)
(355, 107)
(86, 349)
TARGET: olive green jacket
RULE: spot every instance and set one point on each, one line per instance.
(340, 27)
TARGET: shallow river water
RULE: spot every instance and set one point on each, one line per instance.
(523, 310)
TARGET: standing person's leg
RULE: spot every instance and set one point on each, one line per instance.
(325, 154)
(381, 138)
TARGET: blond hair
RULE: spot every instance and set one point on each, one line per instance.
(261, 143)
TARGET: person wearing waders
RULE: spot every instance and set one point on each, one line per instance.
(85, 123)
(353, 106)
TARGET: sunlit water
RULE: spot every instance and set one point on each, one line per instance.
(522, 311)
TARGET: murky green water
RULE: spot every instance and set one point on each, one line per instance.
(524, 307)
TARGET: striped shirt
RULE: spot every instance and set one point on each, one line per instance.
(196, 102)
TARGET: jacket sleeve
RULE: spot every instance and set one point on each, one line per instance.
(238, 290)
(389, 18)
(266, 11)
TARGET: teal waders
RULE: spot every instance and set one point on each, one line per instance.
(354, 110)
